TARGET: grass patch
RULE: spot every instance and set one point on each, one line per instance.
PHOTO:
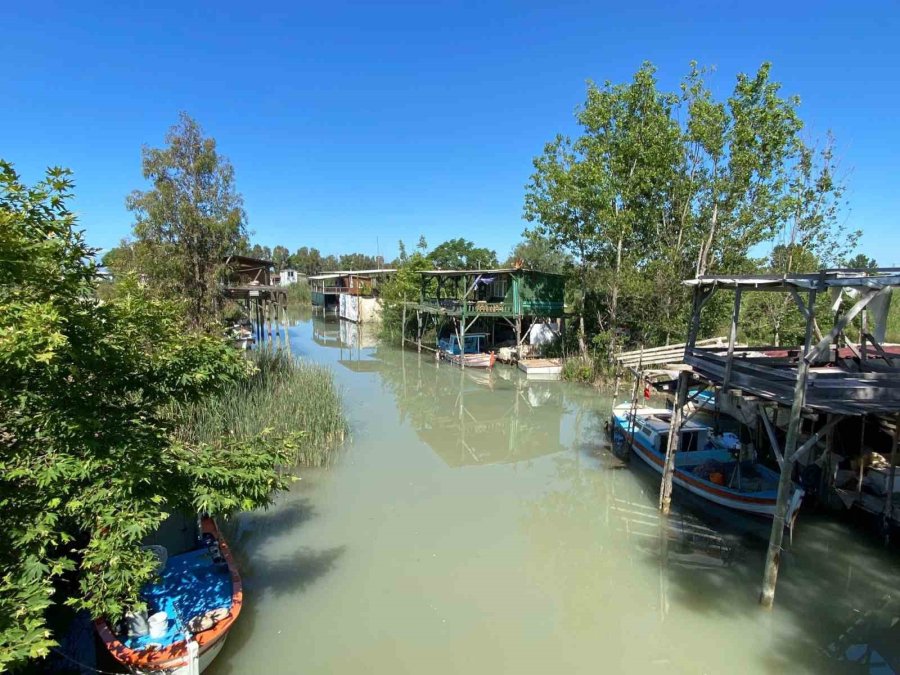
(284, 396)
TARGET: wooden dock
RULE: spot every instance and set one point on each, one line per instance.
(541, 369)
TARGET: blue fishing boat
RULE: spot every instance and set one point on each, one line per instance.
(708, 465)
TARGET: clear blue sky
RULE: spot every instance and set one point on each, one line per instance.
(348, 123)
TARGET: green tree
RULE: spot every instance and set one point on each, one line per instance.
(192, 211)
(90, 393)
(539, 254)
(281, 257)
(861, 262)
(403, 286)
(461, 254)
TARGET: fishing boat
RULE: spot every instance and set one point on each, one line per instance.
(471, 356)
(192, 608)
(708, 465)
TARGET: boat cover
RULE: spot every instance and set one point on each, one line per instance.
(190, 585)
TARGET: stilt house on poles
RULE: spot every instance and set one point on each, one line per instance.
(494, 301)
(828, 380)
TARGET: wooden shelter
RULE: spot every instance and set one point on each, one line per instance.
(825, 380)
(511, 296)
(249, 281)
(327, 287)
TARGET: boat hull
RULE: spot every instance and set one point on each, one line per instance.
(762, 504)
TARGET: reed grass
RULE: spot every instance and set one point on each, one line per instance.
(283, 396)
(299, 293)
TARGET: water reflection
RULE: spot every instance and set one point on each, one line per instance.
(548, 557)
(475, 416)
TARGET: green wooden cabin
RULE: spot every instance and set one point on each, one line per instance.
(498, 292)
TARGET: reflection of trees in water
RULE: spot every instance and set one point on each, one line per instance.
(473, 416)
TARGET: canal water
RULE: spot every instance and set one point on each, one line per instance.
(476, 522)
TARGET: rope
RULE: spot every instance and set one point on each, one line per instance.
(83, 665)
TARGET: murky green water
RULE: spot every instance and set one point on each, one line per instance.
(477, 524)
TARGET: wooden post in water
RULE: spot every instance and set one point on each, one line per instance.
(673, 441)
(773, 555)
(419, 330)
(403, 328)
(732, 338)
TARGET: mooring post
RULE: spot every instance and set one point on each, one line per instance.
(773, 555)
(419, 330)
(462, 339)
(403, 328)
(672, 443)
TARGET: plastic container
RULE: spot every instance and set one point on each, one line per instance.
(159, 624)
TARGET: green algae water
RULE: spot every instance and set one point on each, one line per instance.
(476, 522)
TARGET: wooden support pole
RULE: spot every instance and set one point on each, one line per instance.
(732, 338)
(773, 439)
(462, 339)
(518, 337)
(888, 500)
(403, 327)
(672, 443)
(773, 555)
(827, 471)
(419, 330)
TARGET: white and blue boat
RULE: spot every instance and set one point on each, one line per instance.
(709, 466)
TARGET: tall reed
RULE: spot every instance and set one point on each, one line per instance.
(283, 396)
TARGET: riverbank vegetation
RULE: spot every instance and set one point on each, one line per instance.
(281, 396)
(92, 461)
(120, 402)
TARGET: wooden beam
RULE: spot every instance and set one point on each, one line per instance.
(770, 432)
(732, 337)
(812, 440)
(888, 500)
(842, 323)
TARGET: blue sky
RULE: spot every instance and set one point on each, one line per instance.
(351, 126)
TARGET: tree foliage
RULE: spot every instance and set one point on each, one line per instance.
(661, 186)
(461, 254)
(192, 216)
(90, 394)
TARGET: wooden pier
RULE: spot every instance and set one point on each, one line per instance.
(798, 396)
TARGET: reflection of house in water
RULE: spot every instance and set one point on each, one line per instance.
(475, 417)
(353, 340)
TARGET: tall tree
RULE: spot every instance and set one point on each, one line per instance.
(739, 153)
(539, 254)
(280, 256)
(461, 254)
(192, 209)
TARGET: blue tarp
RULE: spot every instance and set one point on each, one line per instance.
(191, 585)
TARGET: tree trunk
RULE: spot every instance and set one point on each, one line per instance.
(614, 300)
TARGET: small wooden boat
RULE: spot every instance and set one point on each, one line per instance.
(706, 465)
(473, 360)
(470, 357)
(201, 594)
